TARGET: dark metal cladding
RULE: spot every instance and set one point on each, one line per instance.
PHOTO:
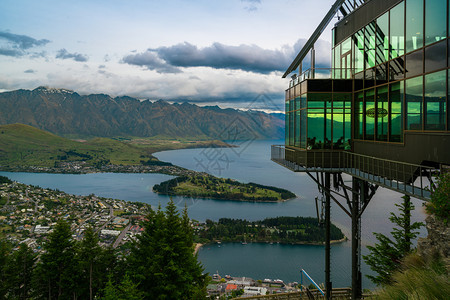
(360, 17)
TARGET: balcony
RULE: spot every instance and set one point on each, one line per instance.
(410, 179)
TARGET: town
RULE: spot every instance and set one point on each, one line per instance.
(29, 213)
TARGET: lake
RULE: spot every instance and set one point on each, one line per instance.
(249, 163)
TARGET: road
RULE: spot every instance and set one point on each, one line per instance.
(121, 235)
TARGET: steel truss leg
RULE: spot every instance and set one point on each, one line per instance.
(360, 195)
(328, 284)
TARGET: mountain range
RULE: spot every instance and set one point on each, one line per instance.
(67, 113)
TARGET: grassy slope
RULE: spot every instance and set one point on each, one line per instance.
(222, 187)
(28, 146)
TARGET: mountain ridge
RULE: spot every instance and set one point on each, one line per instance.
(67, 113)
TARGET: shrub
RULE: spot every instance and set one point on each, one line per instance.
(439, 205)
(417, 279)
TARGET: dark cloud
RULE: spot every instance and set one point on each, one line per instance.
(250, 58)
(30, 71)
(63, 54)
(151, 61)
(16, 45)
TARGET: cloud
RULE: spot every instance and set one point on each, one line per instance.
(30, 71)
(252, 5)
(251, 58)
(63, 54)
(16, 45)
(151, 61)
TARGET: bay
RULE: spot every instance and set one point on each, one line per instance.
(248, 163)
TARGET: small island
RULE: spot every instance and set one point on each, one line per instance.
(286, 230)
(203, 185)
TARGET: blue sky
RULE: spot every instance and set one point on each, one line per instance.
(224, 52)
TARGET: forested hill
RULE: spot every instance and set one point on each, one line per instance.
(296, 230)
(66, 113)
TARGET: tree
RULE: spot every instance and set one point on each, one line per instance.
(20, 270)
(56, 275)
(385, 257)
(163, 260)
(93, 263)
(439, 204)
(4, 261)
(127, 290)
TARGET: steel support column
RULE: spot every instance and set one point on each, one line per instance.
(356, 238)
(328, 284)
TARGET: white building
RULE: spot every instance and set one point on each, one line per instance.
(254, 291)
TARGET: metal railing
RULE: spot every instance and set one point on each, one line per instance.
(337, 293)
(323, 73)
(409, 179)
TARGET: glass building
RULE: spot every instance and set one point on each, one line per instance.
(387, 92)
(380, 114)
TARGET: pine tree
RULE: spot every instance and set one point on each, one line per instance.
(56, 276)
(20, 270)
(4, 276)
(162, 259)
(92, 265)
(385, 257)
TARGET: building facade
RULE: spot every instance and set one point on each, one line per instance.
(380, 114)
(387, 92)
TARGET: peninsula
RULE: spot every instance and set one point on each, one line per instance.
(287, 230)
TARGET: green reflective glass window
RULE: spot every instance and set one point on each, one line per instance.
(291, 128)
(303, 128)
(397, 68)
(414, 25)
(397, 32)
(286, 128)
(359, 112)
(382, 41)
(436, 56)
(297, 129)
(396, 111)
(338, 129)
(435, 20)
(435, 100)
(316, 128)
(381, 113)
(328, 121)
(337, 62)
(297, 103)
(381, 73)
(318, 99)
(414, 63)
(341, 100)
(414, 99)
(369, 114)
(347, 131)
(369, 44)
(303, 101)
(359, 51)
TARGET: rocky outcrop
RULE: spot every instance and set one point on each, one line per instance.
(437, 243)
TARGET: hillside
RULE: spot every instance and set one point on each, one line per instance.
(66, 113)
(28, 146)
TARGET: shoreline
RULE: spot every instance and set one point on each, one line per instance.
(199, 245)
(219, 199)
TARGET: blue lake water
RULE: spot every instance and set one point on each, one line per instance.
(249, 163)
